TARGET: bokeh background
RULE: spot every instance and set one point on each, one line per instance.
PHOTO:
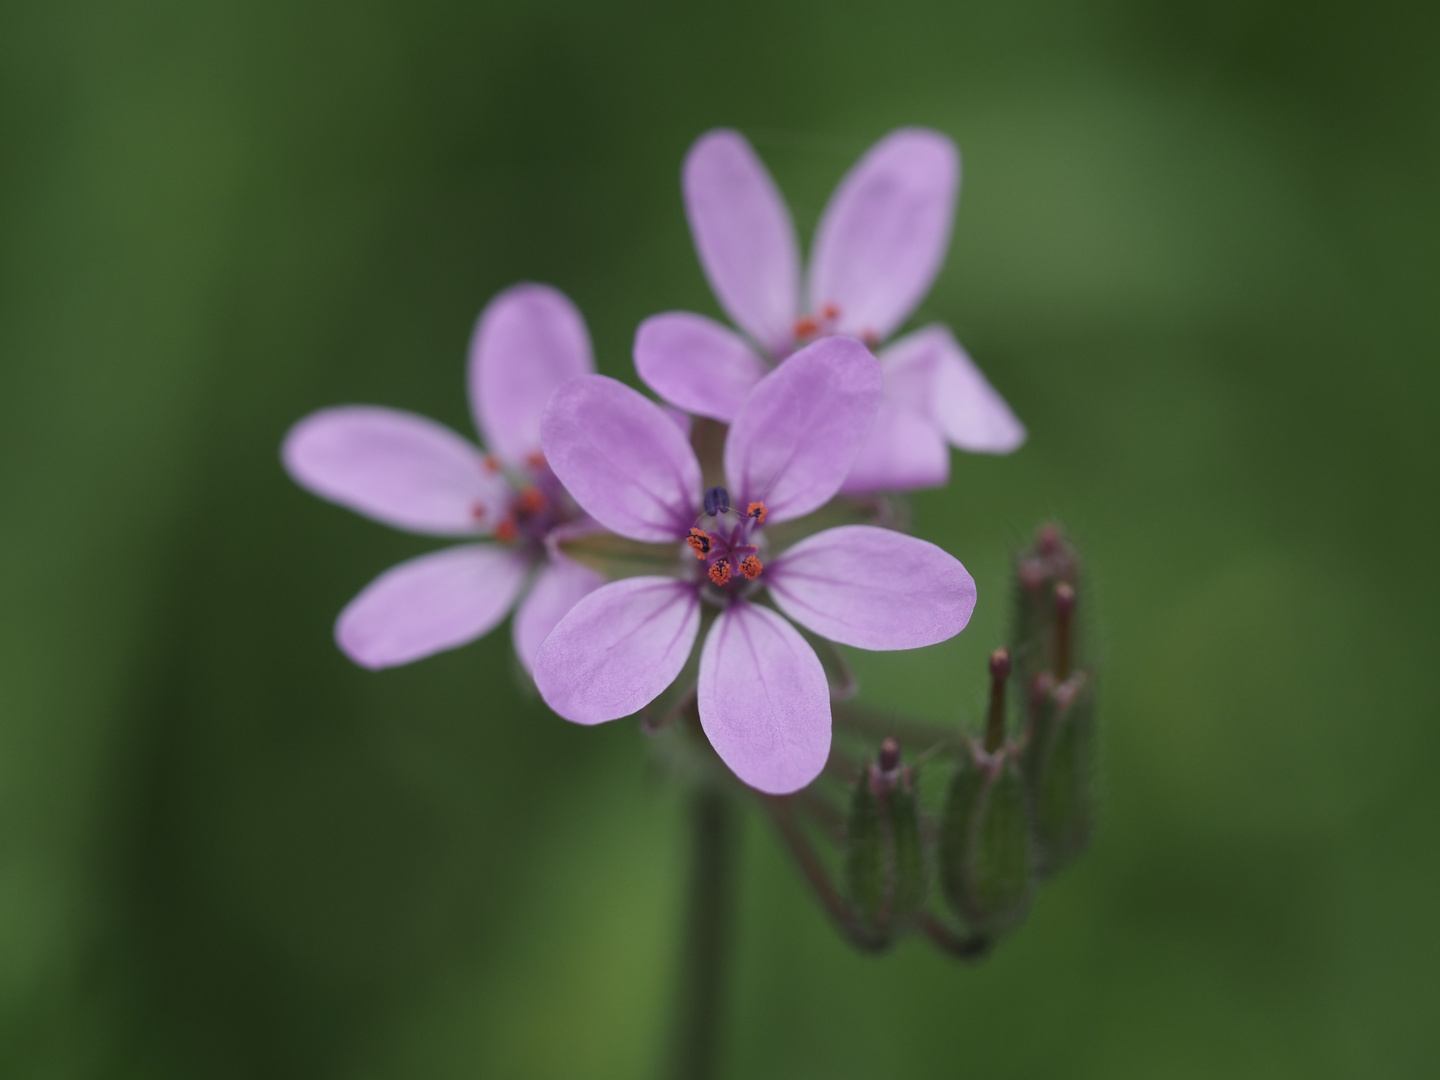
(1196, 249)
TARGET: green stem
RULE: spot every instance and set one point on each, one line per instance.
(708, 922)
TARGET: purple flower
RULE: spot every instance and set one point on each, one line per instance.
(418, 475)
(762, 694)
(879, 245)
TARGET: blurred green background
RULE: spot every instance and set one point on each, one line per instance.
(1196, 249)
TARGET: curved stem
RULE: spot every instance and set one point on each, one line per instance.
(816, 876)
(699, 1012)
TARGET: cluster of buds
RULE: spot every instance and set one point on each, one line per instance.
(1003, 806)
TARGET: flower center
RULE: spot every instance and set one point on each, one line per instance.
(726, 551)
(825, 322)
(538, 505)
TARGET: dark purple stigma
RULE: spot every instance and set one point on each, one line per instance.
(717, 501)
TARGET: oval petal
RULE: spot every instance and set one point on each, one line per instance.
(884, 233)
(795, 438)
(426, 605)
(396, 467)
(527, 342)
(764, 702)
(969, 410)
(696, 364)
(744, 237)
(616, 649)
(872, 588)
(626, 463)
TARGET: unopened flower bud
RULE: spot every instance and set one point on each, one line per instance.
(986, 853)
(1057, 766)
(884, 866)
(1040, 571)
(995, 722)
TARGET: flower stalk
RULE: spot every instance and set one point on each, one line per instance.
(709, 919)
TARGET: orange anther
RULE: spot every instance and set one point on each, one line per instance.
(478, 511)
(831, 312)
(805, 327)
(535, 459)
(699, 542)
(506, 530)
(490, 463)
(720, 572)
(531, 501)
(751, 567)
(870, 338)
(757, 511)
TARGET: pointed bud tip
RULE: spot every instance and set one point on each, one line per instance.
(1047, 540)
(889, 753)
(1064, 598)
(1000, 663)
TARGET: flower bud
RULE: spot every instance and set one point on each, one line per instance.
(884, 867)
(1057, 765)
(1043, 573)
(986, 852)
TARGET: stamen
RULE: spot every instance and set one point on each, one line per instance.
(717, 501)
(531, 501)
(506, 530)
(870, 338)
(751, 567)
(720, 572)
(490, 463)
(757, 511)
(699, 543)
(535, 459)
(478, 511)
(831, 312)
(805, 327)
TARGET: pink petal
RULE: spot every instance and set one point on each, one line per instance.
(764, 702)
(625, 462)
(618, 648)
(971, 413)
(528, 341)
(903, 451)
(436, 602)
(796, 436)
(872, 588)
(744, 236)
(883, 236)
(395, 467)
(696, 364)
(679, 418)
(558, 587)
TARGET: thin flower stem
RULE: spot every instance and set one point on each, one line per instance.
(699, 1013)
(815, 874)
